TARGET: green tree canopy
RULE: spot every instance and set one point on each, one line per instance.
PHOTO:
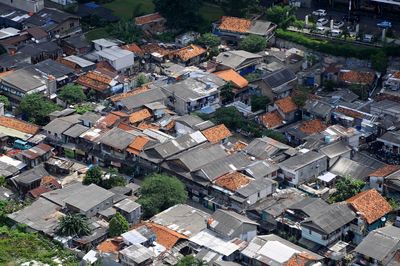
(73, 225)
(190, 260)
(229, 116)
(118, 225)
(111, 178)
(180, 14)
(126, 31)
(36, 108)
(5, 100)
(346, 188)
(72, 94)
(227, 93)
(259, 102)
(209, 40)
(159, 192)
(141, 79)
(379, 61)
(253, 43)
(93, 176)
(281, 15)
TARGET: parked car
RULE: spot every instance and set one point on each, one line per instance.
(322, 22)
(368, 38)
(336, 32)
(384, 24)
(320, 30)
(338, 24)
(320, 13)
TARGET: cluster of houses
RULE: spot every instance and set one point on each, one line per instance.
(253, 195)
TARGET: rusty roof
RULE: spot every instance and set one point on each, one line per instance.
(349, 112)
(134, 48)
(137, 145)
(234, 24)
(370, 204)
(108, 120)
(216, 133)
(233, 181)
(125, 127)
(155, 48)
(143, 125)
(271, 120)
(165, 236)
(189, 52)
(312, 126)
(286, 105)
(124, 95)
(300, 259)
(231, 75)
(139, 116)
(109, 246)
(149, 18)
(385, 170)
(19, 125)
(357, 77)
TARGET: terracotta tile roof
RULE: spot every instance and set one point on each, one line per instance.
(232, 181)
(216, 133)
(68, 63)
(234, 24)
(165, 236)
(234, 77)
(189, 52)
(139, 116)
(137, 145)
(109, 246)
(349, 112)
(125, 127)
(238, 146)
(385, 170)
(142, 20)
(271, 120)
(286, 105)
(120, 114)
(300, 259)
(143, 125)
(124, 95)
(95, 80)
(36, 192)
(312, 126)
(19, 125)
(134, 48)
(155, 48)
(107, 121)
(357, 77)
(50, 181)
(370, 204)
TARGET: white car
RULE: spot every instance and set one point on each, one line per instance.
(320, 13)
(320, 30)
(336, 32)
(322, 22)
(338, 24)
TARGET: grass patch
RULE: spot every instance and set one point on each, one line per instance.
(126, 9)
(96, 34)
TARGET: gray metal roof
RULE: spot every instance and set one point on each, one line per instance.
(279, 77)
(58, 196)
(194, 122)
(390, 136)
(31, 175)
(234, 59)
(264, 148)
(347, 167)
(25, 79)
(298, 161)
(260, 169)
(54, 68)
(137, 253)
(260, 27)
(227, 222)
(118, 138)
(90, 116)
(139, 100)
(58, 125)
(127, 205)
(318, 108)
(335, 149)
(75, 131)
(88, 197)
(310, 206)
(254, 186)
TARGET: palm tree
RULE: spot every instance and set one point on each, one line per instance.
(73, 225)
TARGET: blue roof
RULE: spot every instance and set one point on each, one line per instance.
(207, 110)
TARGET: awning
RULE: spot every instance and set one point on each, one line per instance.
(327, 177)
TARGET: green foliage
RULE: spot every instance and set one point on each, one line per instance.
(118, 225)
(72, 94)
(6, 101)
(330, 85)
(84, 108)
(253, 43)
(114, 180)
(190, 260)
(126, 31)
(106, 180)
(37, 108)
(252, 77)
(166, 37)
(73, 225)
(283, 16)
(141, 79)
(239, 8)
(2, 181)
(209, 40)
(93, 176)
(394, 203)
(159, 192)
(346, 188)
(300, 98)
(227, 93)
(259, 102)
(180, 14)
(379, 61)
(276, 135)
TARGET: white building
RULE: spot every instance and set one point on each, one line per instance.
(120, 59)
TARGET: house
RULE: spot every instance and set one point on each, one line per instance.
(187, 124)
(230, 225)
(278, 84)
(372, 210)
(36, 155)
(380, 247)
(189, 55)
(63, 24)
(387, 108)
(136, 255)
(152, 23)
(186, 38)
(77, 63)
(317, 109)
(17, 129)
(136, 100)
(265, 148)
(298, 132)
(54, 129)
(335, 151)
(348, 167)
(61, 73)
(130, 210)
(29, 179)
(240, 85)
(33, 6)
(271, 120)
(393, 81)
(240, 61)
(76, 45)
(286, 109)
(104, 83)
(120, 59)
(390, 142)
(48, 183)
(377, 179)
(232, 29)
(216, 134)
(303, 167)
(274, 250)
(356, 77)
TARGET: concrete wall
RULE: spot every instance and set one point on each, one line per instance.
(33, 6)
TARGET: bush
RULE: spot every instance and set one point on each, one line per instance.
(253, 43)
(118, 225)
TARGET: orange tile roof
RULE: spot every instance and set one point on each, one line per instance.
(165, 236)
(216, 133)
(134, 48)
(300, 259)
(234, 24)
(231, 75)
(109, 246)
(125, 127)
(349, 112)
(19, 125)
(357, 77)
(137, 145)
(120, 113)
(108, 120)
(271, 120)
(239, 145)
(149, 18)
(370, 204)
(95, 80)
(36, 192)
(232, 181)
(155, 48)
(312, 126)
(124, 95)
(139, 116)
(143, 125)
(286, 105)
(385, 170)
(189, 52)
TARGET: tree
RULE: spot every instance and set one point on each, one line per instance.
(300, 99)
(281, 15)
(141, 79)
(5, 101)
(259, 102)
(118, 225)
(126, 31)
(239, 8)
(379, 61)
(229, 116)
(209, 40)
(346, 188)
(159, 192)
(114, 179)
(190, 260)
(227, 93)
(93, 176)
(253, 43)
(180, 14)
(72, 94)
(73, 225)
(36, 108)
